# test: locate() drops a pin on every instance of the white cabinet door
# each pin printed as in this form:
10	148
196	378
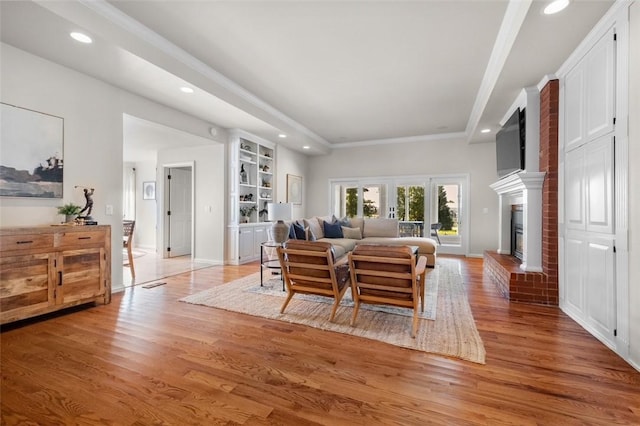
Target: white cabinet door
599	87
574	108
574	266
599	279
599	185
574	189
259	237
245	244
589	101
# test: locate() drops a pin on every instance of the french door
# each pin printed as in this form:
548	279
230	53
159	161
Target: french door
427	206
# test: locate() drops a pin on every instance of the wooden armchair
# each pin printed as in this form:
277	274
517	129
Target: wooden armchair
309	268
387	275
127	242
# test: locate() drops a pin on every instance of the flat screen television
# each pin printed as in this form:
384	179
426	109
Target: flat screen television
510	142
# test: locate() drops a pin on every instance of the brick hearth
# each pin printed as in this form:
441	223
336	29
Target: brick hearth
516	284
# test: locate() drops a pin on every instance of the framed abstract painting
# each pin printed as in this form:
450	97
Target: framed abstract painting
32	146
294	189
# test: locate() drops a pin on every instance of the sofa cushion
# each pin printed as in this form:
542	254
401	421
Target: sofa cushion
310	235
353	233
357	222
332	230
426	246
341	245
380	227
299	231
315	227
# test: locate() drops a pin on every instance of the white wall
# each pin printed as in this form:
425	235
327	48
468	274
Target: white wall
417	158
146	210
294	163
209	202
634	189
93	139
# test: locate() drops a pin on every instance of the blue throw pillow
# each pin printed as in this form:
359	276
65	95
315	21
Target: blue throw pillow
332	230
292	232
299	231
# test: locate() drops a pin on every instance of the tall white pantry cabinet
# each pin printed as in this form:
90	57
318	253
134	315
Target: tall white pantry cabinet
252	179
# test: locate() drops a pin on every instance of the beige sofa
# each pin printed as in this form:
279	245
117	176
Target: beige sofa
368	231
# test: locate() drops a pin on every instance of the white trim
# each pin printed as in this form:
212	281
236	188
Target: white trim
545	80
239	133
407	139
209	261
511	23
607	21
526	189
475	255
144	33
162	225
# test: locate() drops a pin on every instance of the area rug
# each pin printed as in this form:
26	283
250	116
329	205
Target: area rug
451	332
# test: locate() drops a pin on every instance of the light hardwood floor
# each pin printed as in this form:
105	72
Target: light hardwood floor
148	359
150	266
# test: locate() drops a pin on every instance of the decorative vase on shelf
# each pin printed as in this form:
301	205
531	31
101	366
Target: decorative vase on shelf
70	218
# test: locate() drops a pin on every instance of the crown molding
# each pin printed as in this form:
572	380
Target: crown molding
144	33
408	139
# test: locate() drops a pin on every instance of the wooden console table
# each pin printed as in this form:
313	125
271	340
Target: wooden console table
48	268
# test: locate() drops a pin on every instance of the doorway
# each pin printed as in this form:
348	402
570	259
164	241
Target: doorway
178	210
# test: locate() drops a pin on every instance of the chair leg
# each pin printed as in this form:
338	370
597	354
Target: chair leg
338	299
414	326
336	303
130	255
356	308
286	302
423	285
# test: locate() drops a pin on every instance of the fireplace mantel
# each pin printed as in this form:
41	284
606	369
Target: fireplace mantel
522	188
516	183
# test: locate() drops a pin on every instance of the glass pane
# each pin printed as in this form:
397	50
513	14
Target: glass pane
410	210
374	199
401	203
350	202
448	209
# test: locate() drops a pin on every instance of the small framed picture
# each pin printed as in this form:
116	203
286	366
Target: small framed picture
294	189
149	190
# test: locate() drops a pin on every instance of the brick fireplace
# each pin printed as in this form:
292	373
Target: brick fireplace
534	278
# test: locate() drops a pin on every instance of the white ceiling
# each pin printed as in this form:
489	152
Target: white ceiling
326	73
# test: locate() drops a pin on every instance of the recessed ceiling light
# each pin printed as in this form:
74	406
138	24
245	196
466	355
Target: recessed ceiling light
82	38
485	130
186	89
306	147
282	135
555	6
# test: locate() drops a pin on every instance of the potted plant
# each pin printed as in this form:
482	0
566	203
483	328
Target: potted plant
245	212
70	211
